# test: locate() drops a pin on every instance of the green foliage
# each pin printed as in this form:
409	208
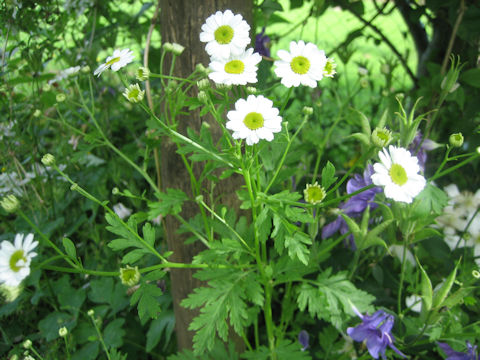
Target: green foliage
146	298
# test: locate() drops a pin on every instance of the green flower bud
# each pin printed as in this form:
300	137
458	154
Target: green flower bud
142	73
314	193
133	93
167	47
202	97
202	69
63	331
456	140
129	276
37	113
10	203
47	87
177	49
60	98
91	312
251	90
27	344
48	160
203	84
381	137
307	110
476	274
115	191
85	69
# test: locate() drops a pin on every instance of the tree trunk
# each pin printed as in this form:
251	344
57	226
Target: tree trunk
180	22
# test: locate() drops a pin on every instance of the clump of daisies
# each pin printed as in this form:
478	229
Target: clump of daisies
231	63
15	259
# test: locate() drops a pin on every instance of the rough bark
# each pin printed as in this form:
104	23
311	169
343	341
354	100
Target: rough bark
180	22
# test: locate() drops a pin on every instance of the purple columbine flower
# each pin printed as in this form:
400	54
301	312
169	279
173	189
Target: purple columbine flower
355	206
455	355
375	330
419	149
262	44
303	339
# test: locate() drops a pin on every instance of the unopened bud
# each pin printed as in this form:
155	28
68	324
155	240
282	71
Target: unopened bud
307	110
202	97
251	90
47	87
10	203
130	276
37	113
199	198
203	84
60	98
115	191
456	140
381	137
27	344
85	69
476	274
167	47
90	312
48	160
63	331
142	73
177	49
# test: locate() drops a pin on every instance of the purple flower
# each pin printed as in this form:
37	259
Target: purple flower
455	355
356	205
262	44
419	149
375	330
303	338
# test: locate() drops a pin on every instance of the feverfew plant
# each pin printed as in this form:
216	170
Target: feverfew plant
336	212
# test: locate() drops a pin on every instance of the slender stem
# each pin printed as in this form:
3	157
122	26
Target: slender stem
402	273
455	167
100	338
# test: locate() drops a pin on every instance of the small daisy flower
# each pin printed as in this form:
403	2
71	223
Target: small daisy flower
330	66
253	119
381	137
398	171
133	93
15	259
236	70
314	193
118	60
225	34
304	64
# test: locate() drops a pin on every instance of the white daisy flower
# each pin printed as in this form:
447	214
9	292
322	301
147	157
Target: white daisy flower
304	64
15	259
122	211
236	70
225	34
253	119
119	59
398	173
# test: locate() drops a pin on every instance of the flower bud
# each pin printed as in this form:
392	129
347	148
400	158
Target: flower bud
142	73
202	69
177	49
307	110
90	312
27	344
381	137
364	82
115	191
251	90
37	113
47	87
202	97
223	87
133	93
130	276
48	160
63	331
456	140
314	193
85	69
60	98
10	203
203	84
199	198
476	274
167	47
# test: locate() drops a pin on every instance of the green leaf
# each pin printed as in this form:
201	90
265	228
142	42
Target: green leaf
471	77
441	294
147	303
430	199
328	175
296	246
113	333
70	248
264	224
427	290
50	324
364	139
168	203
163	325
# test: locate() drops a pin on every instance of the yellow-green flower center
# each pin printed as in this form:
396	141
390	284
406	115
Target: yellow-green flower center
314	194
253	121
398	174
382	135
113	61
300	65
133	93
234	67
224	34
15	258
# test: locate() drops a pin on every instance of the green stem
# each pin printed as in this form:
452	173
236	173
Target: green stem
100	338
455	167
402	274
